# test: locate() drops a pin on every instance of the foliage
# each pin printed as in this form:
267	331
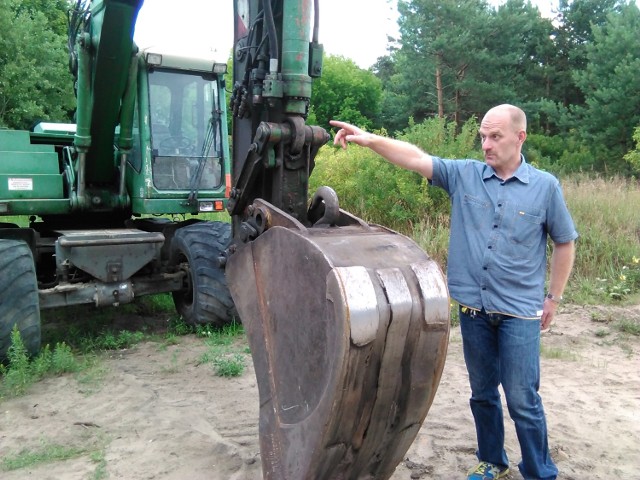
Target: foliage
55	12
605	213
633	156
631	327
116	341
229	365
21	372
378	191
611	84
222	354
45	454
345	92
34	80
459	58
627	283
572	33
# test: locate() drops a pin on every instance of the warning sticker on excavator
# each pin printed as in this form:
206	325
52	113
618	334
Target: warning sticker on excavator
20	183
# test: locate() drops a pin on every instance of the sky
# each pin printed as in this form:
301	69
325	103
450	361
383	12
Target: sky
355	29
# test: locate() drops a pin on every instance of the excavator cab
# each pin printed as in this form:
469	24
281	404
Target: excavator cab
180	140
185	130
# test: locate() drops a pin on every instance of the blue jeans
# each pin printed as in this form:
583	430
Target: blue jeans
500	349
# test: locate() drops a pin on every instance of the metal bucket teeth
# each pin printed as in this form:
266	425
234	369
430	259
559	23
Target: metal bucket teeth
348	330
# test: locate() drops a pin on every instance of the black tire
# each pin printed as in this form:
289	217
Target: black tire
19	302
207	299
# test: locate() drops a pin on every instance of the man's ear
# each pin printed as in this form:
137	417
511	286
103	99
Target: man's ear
522	136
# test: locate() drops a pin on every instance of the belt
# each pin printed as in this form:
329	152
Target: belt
469	311
472	312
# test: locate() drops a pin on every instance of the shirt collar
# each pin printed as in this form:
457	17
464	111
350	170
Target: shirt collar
521	173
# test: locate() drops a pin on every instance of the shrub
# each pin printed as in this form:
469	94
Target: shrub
379	192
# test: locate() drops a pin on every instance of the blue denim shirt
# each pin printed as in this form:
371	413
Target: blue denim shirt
497	249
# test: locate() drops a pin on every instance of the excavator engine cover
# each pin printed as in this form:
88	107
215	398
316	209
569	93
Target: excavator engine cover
348	328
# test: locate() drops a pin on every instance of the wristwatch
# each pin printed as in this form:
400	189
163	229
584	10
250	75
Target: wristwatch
554	298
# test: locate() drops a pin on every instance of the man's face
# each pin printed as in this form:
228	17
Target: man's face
501	142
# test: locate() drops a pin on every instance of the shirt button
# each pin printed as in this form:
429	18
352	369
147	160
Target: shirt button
495	226
484	268
484	288
489	247
500	205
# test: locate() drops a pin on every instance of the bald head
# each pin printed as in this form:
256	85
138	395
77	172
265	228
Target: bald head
503	130
516	116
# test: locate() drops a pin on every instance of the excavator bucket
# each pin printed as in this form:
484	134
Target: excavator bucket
348	328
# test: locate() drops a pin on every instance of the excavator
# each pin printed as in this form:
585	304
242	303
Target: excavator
347	321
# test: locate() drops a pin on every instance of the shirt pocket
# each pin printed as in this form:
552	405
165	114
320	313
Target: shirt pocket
476	212
525	230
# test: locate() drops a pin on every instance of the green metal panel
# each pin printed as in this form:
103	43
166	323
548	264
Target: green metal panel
21	186
169	205
20	140
25	163
35	207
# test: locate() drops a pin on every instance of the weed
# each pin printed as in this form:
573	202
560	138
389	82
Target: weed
110	341
226	362
98	457
628	326
173	366
177	326
557	353
454	313
22	372
45	454
91	376
598	317
229	366
602	332
17	377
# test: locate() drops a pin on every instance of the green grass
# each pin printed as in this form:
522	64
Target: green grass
47	453
557	353
22	372
605	211
224	354
628	326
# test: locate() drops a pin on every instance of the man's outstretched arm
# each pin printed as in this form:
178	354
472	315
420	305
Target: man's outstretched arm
402	154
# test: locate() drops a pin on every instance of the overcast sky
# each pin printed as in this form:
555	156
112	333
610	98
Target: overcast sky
356	29
208	25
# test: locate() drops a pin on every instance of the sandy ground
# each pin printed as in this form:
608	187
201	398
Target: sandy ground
156	413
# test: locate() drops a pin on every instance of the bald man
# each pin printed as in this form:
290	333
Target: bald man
502	211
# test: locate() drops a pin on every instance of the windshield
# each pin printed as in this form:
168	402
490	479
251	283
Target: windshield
185	130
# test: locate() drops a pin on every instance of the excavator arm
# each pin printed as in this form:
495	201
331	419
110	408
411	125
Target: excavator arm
103	62
347	322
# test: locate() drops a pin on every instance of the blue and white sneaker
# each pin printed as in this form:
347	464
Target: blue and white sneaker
487	471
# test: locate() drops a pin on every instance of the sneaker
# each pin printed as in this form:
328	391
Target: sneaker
487	471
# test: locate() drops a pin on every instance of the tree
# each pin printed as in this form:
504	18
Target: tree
462	57
441	42
610	83
55	11
35	83
345	92
572	35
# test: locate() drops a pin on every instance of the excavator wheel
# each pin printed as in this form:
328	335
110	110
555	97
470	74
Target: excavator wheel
19	303
348	329
206	300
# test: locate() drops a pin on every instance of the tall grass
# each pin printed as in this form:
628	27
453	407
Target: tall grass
607	216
